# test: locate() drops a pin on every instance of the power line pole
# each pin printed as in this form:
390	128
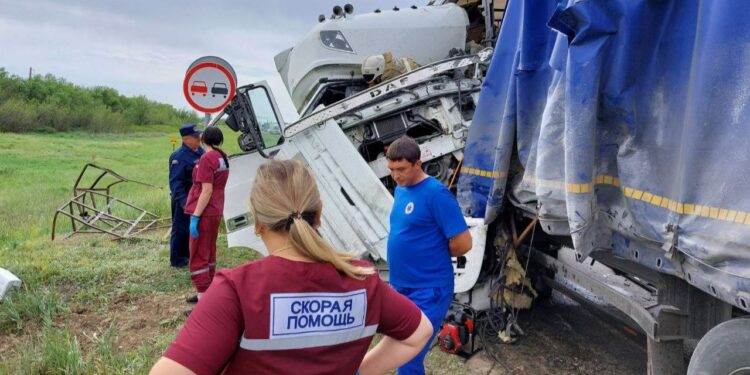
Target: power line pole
29	72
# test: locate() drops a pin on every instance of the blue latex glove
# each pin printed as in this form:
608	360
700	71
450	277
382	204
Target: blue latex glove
194	225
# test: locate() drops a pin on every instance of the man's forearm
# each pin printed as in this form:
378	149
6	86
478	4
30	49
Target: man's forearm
460	244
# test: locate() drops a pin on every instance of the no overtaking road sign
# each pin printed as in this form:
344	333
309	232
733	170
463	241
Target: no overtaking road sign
209	84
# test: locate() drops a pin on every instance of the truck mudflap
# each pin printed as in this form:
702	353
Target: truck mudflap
624	123
466	271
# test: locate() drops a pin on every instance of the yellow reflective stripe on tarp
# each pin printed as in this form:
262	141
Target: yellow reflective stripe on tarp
682	208
480	172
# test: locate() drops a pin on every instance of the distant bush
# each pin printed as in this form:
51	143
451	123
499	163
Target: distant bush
50	104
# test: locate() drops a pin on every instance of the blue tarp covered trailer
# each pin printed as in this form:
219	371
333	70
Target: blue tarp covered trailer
624	124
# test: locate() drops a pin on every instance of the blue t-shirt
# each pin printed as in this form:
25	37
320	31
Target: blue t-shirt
424	218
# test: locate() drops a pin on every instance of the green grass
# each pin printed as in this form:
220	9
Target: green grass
88	304
39	171
84	277
29	307
58	351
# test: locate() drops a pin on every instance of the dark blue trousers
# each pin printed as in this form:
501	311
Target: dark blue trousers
179	248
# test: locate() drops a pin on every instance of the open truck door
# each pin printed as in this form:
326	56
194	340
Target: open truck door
357	205
260	137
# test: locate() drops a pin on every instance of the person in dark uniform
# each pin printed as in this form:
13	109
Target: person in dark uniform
181	164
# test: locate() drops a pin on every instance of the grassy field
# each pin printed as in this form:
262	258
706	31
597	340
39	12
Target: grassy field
90	305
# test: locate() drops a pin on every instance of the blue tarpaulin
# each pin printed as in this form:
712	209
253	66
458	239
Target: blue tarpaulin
626	125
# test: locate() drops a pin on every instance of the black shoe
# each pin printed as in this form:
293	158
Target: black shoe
180	265
192	299
187	313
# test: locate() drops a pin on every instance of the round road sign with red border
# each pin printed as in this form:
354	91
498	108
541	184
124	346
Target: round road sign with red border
210	84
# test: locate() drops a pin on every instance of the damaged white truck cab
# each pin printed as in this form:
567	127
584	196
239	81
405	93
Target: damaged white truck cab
356	198
346	125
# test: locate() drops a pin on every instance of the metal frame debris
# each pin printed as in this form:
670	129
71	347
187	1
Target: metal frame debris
91	209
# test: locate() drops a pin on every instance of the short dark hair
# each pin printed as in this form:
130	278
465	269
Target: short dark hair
213	136
404	148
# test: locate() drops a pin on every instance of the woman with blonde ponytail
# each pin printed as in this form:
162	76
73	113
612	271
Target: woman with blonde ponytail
307	308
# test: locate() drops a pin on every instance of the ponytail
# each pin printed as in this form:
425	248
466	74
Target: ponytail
285	198
223	155
304	237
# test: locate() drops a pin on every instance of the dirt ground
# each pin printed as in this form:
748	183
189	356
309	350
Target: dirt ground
561	338
132	321
564	338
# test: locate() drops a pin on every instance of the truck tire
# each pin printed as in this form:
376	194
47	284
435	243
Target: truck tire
724	350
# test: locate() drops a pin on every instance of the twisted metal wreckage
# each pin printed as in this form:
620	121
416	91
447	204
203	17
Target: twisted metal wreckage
94	210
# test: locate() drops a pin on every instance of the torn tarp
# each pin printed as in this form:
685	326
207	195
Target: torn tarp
627	121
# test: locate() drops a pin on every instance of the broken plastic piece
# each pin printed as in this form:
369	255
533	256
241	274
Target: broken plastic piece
7	281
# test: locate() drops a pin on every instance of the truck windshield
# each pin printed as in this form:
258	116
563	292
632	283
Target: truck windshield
332	92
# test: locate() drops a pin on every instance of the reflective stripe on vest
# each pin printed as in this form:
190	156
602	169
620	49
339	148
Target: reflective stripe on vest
200	271
287	343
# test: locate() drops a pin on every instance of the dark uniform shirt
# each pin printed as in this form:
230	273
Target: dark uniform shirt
181	164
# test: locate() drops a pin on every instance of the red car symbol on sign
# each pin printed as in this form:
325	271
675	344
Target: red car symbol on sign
199	87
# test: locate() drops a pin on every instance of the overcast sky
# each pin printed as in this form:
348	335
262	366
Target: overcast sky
144	47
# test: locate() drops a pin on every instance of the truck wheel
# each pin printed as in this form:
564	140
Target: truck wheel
724	350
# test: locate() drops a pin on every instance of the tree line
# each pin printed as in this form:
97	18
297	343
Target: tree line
50	104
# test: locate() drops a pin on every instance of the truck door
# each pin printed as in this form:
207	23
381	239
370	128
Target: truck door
237	218
356	204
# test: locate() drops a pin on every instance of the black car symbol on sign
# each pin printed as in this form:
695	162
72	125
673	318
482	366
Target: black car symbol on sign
219	89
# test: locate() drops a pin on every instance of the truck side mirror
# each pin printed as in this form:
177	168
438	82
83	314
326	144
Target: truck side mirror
266	118
254	113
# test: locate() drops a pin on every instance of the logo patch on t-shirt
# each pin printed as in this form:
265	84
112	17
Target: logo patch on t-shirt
312	314
409	208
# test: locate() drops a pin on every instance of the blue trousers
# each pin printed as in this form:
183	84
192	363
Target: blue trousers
179	248
434	303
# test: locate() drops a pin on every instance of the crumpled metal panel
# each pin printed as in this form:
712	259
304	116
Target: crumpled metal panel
356	206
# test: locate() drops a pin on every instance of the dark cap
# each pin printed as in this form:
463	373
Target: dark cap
190	129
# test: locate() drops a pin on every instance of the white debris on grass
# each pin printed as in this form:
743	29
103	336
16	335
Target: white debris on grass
7	280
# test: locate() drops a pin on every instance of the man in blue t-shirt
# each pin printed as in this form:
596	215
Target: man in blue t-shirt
427	229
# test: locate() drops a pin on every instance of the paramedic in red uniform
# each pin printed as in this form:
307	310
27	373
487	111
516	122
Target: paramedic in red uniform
205	204
305	309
